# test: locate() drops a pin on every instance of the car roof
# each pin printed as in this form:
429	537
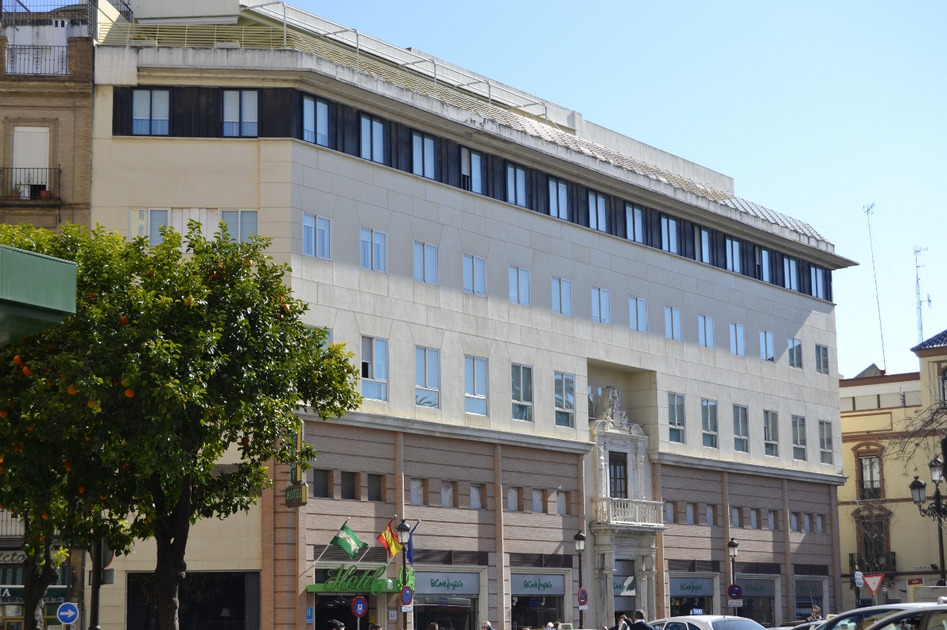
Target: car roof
907	610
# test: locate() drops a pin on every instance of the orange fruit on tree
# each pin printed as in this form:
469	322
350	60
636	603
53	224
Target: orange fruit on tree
81	489
45	516
18	360
27	371
4	413
129	393
71	389
123	320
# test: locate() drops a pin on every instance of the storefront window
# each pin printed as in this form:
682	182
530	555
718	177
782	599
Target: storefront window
537	599
624	588
759	600
692	596
207	600
449	599
809	593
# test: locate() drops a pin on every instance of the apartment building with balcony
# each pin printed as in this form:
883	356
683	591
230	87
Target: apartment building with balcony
559	330
46	104
881	529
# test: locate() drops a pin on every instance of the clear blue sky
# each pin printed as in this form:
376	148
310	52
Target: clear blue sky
816	109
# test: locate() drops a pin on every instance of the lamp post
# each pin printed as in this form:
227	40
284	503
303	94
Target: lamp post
732	550
936	510
404	536
579	540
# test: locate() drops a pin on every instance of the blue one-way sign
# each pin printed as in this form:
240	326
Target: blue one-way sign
67	613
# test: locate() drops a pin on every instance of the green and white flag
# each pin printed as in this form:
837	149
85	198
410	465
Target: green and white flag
349	542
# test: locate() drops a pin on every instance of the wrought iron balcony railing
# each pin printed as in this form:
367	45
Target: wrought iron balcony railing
29	184
38	60
883	562
629	513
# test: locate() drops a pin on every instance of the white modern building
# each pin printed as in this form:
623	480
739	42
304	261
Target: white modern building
559	329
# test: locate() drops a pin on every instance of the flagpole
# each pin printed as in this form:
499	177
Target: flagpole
326	547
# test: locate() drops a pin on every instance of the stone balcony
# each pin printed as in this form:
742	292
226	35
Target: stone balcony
631	514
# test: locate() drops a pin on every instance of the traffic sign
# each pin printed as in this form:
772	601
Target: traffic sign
873	581
407	596
67	613
359	606
583	597
734	591
735	603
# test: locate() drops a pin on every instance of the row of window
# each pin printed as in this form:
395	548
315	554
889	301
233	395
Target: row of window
741	517
518	499
374	363
284	112
741	429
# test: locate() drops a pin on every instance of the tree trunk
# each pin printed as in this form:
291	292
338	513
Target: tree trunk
171	538
37	576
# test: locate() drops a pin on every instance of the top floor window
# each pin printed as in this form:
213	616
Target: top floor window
669	234
634	223
733	255
702	248
598	217
558	198
817	279
151	112
372	139
471	170
791	273
315	121
422	154
240	113
516	185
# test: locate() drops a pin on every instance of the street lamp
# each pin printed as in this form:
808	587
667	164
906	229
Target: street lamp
732	550
579	540
404	537
936	511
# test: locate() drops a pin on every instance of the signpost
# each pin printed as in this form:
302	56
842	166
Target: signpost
583	598
407	596
735	596
873	581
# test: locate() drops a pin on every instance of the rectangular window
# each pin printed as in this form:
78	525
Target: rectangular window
418	491
670	510
562	502
513	499
374	368
422	155
558	198
798	437
690	513
770	433
817	282
471	173
825	442
772	520
151	112
375	487
516	185
634	223
148	223
372	139
447	494
821	359
521	382
763	265
316	236
564	386
676	417
672	323
475	275
736	517
476	496
240	113
241	224
669	241
737	340
794	347
794	521
705	331
741	429
538	503
562	296
425	262
321	487
754	518
373	251
349	485
427	377
819	524
791	273
710	514
708	417
601	306
767	350
733	255
475	385
598	217
638	314
869	473
703	252
519	285
315	121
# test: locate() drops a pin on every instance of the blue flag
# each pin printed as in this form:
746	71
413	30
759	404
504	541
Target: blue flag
409	550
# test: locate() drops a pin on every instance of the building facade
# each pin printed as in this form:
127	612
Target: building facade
603	338
886	448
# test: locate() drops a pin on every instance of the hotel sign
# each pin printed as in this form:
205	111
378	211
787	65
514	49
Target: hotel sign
349	579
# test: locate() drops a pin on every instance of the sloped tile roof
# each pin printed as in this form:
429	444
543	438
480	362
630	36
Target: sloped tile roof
937	341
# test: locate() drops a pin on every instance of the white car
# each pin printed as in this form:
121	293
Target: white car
861	618
926	617
706	622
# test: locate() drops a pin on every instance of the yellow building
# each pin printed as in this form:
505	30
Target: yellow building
880	528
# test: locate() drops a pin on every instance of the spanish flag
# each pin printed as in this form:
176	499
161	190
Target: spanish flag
389	540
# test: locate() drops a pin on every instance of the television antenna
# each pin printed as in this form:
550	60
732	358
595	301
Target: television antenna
868	213
917	293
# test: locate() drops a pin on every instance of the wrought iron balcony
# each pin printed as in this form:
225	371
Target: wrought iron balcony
628	513
882	562
33	185
38	60
10	527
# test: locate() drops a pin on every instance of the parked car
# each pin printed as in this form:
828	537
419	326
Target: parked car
706	622
861	618
926	617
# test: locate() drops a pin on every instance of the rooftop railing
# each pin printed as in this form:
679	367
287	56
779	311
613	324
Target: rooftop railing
34	60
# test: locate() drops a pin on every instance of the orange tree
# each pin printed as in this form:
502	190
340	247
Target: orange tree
179	357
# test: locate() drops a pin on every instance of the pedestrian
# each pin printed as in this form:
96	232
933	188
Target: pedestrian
486	626
550	626
374	626
335	624
624	623
640	623
816	614
432	626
